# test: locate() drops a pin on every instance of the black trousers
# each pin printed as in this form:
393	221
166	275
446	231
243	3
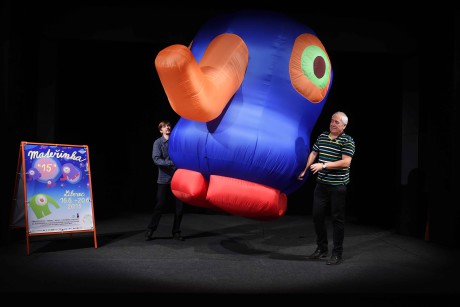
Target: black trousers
335	196
164	194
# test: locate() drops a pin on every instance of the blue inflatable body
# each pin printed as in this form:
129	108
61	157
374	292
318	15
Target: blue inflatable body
263	133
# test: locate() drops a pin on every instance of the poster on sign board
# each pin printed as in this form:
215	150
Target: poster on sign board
57	188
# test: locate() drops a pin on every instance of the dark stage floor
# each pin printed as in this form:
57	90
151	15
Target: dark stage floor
227	254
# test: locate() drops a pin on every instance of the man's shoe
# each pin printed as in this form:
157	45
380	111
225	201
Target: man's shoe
334	260
178	237
149	235
318	254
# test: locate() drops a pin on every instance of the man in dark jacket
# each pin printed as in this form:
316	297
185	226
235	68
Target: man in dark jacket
166	169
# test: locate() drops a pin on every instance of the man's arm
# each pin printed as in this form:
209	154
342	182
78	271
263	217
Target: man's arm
339	164
311	158
157	156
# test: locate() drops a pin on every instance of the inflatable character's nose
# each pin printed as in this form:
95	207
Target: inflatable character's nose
200	91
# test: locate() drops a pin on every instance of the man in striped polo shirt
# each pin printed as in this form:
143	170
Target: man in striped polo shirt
330	160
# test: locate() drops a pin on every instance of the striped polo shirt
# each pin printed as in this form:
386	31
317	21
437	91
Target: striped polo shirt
332	150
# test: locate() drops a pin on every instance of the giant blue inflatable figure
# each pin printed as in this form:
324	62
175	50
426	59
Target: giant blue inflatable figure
249	90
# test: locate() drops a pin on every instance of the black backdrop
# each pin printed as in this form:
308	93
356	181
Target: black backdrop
114	89
94	63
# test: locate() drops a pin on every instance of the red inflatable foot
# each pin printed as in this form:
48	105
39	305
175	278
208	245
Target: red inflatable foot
245	198
230	195
190	187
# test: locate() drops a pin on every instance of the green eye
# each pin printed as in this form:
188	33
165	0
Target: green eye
310	69
315	65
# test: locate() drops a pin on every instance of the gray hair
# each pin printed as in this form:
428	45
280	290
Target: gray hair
343	116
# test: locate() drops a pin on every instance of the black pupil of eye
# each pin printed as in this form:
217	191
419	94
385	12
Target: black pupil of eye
319	67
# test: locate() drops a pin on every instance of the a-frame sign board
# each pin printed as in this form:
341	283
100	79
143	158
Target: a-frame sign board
53	191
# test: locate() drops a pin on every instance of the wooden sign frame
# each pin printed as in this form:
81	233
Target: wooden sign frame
55	180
